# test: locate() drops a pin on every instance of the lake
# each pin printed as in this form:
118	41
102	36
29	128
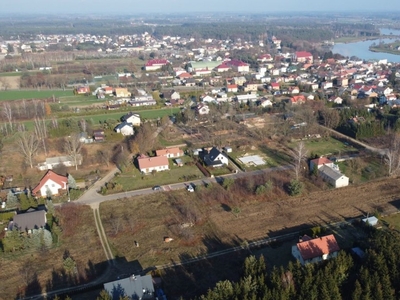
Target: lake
361	49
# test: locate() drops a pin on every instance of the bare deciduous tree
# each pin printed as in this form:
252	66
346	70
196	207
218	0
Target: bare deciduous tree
41	132
299	154
392	155
73	147
8	113
29	145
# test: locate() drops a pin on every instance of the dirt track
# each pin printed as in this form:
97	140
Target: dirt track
258	220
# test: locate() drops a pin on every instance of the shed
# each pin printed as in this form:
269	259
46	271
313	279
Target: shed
228	149
372	221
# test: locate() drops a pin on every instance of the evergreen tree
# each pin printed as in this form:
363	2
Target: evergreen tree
12	199
71	182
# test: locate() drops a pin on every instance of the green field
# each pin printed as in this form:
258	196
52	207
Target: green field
325	146
33	94
134	180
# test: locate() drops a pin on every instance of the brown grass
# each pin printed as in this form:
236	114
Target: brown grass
79	238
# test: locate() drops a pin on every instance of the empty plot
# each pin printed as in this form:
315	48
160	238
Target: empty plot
252	160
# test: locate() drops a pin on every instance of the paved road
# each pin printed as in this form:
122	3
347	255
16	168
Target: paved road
92	197
354	141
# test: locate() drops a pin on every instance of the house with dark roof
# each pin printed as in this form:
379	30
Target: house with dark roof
124	128
132	118
133	287
329	172
309	250
29	221
50	185
214	158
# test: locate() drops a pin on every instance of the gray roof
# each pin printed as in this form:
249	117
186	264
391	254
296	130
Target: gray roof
135	287
331	173
30	220
61	159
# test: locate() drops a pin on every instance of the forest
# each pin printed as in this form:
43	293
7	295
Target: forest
376	276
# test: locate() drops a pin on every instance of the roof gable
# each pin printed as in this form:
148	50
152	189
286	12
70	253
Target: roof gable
53	176
317	247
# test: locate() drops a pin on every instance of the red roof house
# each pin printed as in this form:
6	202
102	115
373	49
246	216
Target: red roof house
298	99
315	250
148	164
303	56
50	184
319	162
155	64
170	152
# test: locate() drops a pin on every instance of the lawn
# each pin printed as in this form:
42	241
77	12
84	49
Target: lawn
134	180
32	94
363	169
326	146
392	221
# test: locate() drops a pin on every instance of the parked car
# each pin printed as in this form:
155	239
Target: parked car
157	188
190	188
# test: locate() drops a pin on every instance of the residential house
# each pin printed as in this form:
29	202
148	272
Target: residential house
172	95
326	85
202	109
133	287
309	250
132	118
336	99
52	162
275	86
121	92
264	102
28	221
250	87
208	99
245	98
303	57
214	158
232	88
222	68
80	90
155	64
239	80
98	135
297	100
237	65
265	58
170	152
125	129
176	102
50	185
156	163
329	172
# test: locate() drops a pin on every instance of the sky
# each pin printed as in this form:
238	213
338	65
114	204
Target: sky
128	7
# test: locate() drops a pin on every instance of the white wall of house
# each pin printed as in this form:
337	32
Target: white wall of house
134	120
157	168
296	254
52	186
222	158
126	130
341	182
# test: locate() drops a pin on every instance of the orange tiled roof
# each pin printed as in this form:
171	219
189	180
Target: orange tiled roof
318	247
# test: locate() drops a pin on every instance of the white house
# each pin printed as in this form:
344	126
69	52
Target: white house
66	161
202	109
50	184
310	250
156	163
124	128
131	118
214	158
329	172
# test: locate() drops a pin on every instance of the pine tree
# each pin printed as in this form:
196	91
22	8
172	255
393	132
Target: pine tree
357	292
12	200
71	182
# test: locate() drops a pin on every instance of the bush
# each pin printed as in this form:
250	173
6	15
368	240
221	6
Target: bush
295	187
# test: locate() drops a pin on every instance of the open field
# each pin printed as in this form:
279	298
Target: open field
392	221
34	271
33	94
156	215
135	180
325	146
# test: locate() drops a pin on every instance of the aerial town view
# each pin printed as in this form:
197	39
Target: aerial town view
205	151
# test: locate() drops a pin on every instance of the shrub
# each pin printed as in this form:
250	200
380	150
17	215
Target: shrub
295	187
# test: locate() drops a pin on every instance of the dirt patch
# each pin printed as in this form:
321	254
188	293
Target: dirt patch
10	82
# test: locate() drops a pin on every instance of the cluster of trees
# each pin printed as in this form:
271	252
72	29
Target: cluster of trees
345	277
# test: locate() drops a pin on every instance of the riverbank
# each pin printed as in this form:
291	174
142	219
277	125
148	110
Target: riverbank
382	50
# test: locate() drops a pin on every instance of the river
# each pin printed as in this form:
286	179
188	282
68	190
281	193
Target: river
361	49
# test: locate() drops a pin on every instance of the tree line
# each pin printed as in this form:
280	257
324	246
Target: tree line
376	277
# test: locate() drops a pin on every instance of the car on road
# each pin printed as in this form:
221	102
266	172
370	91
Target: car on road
190	188
157	188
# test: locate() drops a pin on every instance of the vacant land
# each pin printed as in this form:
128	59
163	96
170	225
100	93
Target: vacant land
35	271
157	216
33	94
326	146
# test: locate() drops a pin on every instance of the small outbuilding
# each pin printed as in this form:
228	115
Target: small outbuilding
372	221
